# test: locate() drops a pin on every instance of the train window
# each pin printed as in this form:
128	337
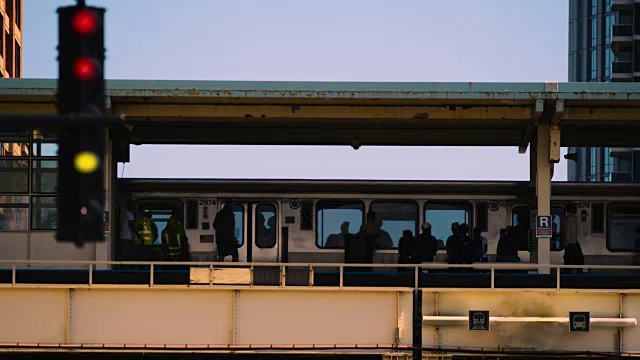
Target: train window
238	216
306	215
160	217
161	212
333	218
623	227
442	214
13	213
396	216
192	215
597	218
520	218
482	216
43	213
265	226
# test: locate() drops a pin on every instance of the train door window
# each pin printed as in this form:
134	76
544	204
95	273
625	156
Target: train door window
333	218
161	212
192	215
306	215
623	227
396	216
521	220
238	215
265	226
482	216
442	214
597	218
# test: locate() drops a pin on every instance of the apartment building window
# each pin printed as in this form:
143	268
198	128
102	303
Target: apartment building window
18	14
594	64
607	5
28	177
608	164
594	7
608	23
18	62
593	165
608	59
594	31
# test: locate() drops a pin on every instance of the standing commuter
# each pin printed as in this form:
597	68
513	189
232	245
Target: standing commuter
145	235
224	225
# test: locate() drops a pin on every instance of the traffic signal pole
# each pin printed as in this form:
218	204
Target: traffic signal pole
81	123
81	95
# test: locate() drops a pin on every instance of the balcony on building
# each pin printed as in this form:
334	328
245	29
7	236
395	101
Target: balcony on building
622	37
621	177
621	71
621	152
621	5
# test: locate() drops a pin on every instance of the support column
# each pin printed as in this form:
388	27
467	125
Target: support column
103	249
543	191
417	324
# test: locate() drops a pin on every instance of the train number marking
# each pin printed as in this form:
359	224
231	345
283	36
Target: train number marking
582	205
206	202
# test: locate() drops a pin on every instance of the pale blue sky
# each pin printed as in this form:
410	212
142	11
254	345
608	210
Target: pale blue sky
328	40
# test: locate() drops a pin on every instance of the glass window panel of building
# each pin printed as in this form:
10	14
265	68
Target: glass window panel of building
28	172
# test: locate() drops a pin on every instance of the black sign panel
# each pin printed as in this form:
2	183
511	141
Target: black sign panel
478	320
579	321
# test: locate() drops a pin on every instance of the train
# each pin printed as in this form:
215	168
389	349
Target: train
296	220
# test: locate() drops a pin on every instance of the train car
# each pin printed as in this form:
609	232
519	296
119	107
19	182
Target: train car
301	220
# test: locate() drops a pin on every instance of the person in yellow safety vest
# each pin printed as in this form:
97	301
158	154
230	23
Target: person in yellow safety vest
146	233
174	240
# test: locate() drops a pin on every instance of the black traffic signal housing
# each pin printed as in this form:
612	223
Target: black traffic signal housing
81	102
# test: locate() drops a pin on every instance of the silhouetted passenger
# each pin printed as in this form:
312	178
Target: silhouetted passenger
572	250
426	245
467	249
367	236
455	247
224	225
336	241
520	232
406	250
479	244
507	247
383	241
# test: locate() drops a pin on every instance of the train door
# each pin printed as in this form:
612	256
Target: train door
265	242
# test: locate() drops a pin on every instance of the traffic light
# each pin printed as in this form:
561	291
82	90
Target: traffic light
81	60
81	137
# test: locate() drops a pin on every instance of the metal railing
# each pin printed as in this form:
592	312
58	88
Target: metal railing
310	268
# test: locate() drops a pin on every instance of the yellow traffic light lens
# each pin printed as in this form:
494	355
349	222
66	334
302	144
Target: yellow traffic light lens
86	162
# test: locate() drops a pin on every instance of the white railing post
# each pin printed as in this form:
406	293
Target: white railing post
151	275
415	277
493	278
310	275
90	275
251	280
557	278
341	276
13	274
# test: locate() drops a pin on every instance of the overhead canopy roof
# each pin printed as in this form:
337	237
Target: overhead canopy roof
341	113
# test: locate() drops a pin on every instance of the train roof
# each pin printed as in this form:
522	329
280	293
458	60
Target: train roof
345	186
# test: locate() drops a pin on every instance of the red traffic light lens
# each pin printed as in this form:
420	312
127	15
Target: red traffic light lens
84	22
84	68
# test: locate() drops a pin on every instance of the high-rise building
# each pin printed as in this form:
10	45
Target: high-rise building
11	39
604	45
